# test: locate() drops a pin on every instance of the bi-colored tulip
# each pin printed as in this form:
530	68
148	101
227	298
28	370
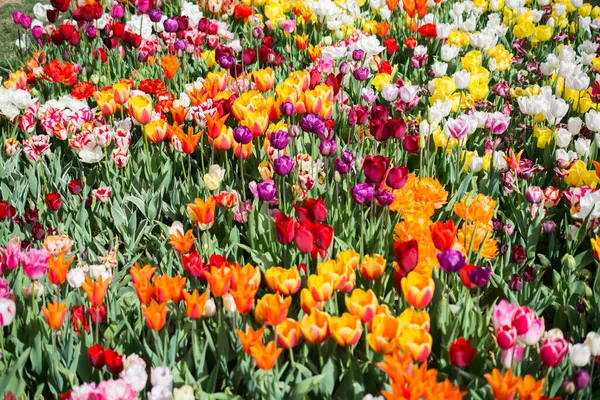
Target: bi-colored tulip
121	91
321	287
219	280
417	289
272	309
202	213
315	327
372	267
308	303
264	79
156	131
140	108
194	303
362	304
417	343
384	330
283	281
345	330
288	333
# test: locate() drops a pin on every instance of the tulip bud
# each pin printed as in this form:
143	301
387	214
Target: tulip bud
581	379
568	262
209	308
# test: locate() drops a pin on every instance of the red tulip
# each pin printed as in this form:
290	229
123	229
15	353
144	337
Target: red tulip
304	238
323	235
397	177
464	276
461	353
97	314
506	336
376	130
395	127
375	168
407	255
96	356
61	5
284	226
114	361
411	143
428	31
316	210
443	235
194	266
53	201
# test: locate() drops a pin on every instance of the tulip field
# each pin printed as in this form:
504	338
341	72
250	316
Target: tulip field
287	199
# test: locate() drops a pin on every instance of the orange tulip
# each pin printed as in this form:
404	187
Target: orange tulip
144	291
247	276
216	82
529	388
320	286
513	161
596	167
272	309
265	357
264	79
240	150
345	330
121	92
341	274
256	121
214	124
58	267
55	314
176	286
396	365
250	338
244	299
392	4
178	113
185	143
182	243
503	387
412	7
372	267
283	281
348	258
416	342
382	28
411	318
219	280
362	304
202	213
194	303
417	289
301	41
384	330
288	333
169	65
308	303
162	289
315	327
95	291
141	274
155	315
156	131
140	108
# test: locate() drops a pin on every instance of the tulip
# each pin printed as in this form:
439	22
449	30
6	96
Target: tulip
156	131
581	378
321	287
95	291
345	330
139	274
554	348
121	92
397	177
35	263
195	303
579	354
58	267
96	356
265	356
285	228
250	338
461	353
264	79
362	193
315	327
272	309
323	235
416	343
202	213
303	238
140	108
8	311
451	260
182	243
372	267
313	209
10	256
288	333
384	331
219	280
522	319
242	134
114	361
443	235
407	255
53	201
283	165
506	337
417	289
375	168
267	190
244	299
155	315
283	281
363	304
55	314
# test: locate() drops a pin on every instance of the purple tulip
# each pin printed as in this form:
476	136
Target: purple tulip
242	134
118	11
293	131
258	33
287	108
358	54
361	74
91	32
548	227
581	379
311	123
37	32
283	165
480	275
267	190
181	44
341	167
327	148
384	197
170	25
226	61
348	157
155	15
26	21
279	139
362	193
515	284
529	273
534	194
344	67
17	17
451	260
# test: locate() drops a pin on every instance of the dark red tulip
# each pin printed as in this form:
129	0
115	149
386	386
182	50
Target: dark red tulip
407	255
375	168
114	361
397	177
411	143
461	353
75	186
53	201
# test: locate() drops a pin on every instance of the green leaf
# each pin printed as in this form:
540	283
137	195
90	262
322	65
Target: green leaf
303	388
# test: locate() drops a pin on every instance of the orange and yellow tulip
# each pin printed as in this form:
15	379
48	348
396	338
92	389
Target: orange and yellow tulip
121	91
321	287
362	304
219	280
55	314
348	258
256	121
264	79
288	333
315	327
155	315
170	65
417	289
244	299
194	303
283	281
341	274
345	330
372	267
106	102
156	131
384	331
416	342
202	213
247	276
265	357
140	108
58	267
272	309
411	318
308	303
242	151
250	338
182	243
95	291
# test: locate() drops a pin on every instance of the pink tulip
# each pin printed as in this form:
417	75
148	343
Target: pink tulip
535	332
554	348
503	313
522	319
498	123
506	336
508	357
35	263
9	257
